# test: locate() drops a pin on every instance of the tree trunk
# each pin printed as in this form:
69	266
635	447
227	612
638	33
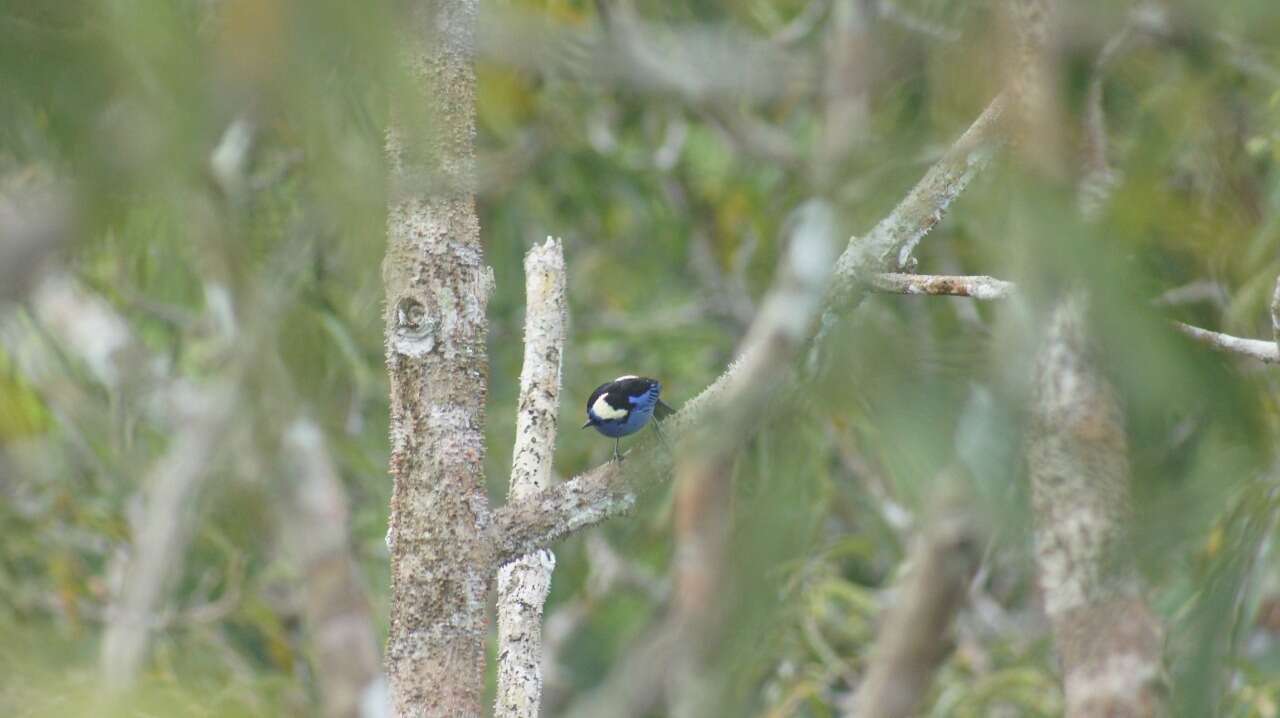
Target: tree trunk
437	290
1108	638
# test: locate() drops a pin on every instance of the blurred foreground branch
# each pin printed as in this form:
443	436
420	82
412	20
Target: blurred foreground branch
523	584
915	638
317	526
669	662
1108	638
161	539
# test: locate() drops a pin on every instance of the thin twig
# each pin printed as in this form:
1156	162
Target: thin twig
1263	351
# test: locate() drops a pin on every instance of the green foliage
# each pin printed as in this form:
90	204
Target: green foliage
668	219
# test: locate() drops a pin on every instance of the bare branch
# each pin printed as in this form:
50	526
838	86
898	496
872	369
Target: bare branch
1036	119
977	286
538	521
1263	351
915	637
1199	291
523	584
889	245
1108	639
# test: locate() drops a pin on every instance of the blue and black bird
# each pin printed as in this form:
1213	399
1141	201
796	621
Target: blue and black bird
623	406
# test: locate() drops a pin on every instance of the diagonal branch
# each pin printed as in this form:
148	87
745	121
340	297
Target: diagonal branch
916	636
890	243
523	584
527	525
1263	351
704	464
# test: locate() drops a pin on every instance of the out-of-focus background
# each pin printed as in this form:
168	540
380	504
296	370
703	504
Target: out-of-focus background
192	218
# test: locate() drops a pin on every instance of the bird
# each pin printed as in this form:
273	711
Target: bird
623	406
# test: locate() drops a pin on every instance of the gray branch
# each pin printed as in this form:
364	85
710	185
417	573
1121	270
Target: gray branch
1263	351
523	584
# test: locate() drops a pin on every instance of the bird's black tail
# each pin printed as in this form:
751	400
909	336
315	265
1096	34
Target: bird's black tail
662	411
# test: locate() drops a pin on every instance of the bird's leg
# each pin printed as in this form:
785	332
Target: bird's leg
616	456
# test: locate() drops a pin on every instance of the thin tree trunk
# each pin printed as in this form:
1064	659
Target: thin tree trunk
437	290
523	584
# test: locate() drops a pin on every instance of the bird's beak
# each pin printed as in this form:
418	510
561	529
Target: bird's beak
587	425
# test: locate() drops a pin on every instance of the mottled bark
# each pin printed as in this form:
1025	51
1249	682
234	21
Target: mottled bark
1108	639
437	289
523	584
336	611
